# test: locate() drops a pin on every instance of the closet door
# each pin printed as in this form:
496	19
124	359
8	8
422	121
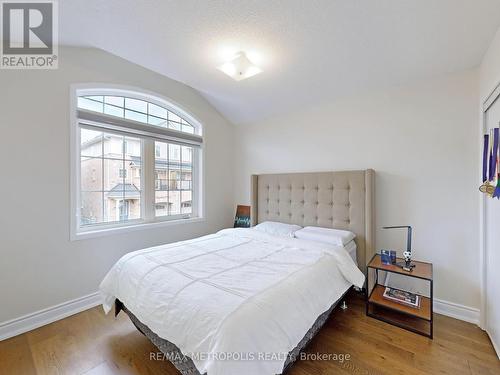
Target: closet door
492	246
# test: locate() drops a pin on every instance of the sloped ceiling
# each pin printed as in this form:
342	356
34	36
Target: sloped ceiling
310	50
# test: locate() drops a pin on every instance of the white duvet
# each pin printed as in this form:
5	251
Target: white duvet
236	302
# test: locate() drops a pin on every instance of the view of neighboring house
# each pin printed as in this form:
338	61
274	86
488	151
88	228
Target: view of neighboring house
111	178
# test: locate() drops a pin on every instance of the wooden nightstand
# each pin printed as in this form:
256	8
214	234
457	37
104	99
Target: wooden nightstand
416	320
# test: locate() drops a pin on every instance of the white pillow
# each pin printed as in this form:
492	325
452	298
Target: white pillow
325	235
277	229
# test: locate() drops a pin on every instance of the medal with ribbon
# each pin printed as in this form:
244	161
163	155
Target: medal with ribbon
496	193
487	174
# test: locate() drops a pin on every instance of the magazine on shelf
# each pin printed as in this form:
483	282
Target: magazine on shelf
403	297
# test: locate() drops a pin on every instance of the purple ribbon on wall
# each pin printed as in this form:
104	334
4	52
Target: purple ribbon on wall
493	155
485	156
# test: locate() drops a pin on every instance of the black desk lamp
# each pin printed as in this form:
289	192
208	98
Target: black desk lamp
407	265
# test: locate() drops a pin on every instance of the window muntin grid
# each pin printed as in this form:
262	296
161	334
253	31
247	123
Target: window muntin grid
136	110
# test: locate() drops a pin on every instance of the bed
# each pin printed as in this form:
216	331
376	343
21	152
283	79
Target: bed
242	301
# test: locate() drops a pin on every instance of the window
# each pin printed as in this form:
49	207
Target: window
138	161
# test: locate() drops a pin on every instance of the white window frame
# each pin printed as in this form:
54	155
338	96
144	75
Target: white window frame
148	219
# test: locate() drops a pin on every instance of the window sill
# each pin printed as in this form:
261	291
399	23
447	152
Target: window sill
83	235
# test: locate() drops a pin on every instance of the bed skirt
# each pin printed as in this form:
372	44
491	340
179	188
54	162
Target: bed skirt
186	366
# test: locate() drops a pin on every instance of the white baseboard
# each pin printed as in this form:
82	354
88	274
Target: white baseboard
49	315
457	311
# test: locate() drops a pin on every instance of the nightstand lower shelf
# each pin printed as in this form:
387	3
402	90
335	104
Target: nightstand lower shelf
410	323
407	317
377	298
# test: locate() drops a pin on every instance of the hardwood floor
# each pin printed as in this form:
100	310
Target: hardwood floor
91	343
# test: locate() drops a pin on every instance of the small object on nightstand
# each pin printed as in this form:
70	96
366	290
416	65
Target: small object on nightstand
388	256
343	306
407	266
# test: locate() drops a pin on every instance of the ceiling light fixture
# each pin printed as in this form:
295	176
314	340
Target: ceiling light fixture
239	67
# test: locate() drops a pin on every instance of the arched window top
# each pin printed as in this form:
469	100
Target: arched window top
138	107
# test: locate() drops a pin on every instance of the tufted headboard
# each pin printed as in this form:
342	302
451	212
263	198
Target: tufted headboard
341	200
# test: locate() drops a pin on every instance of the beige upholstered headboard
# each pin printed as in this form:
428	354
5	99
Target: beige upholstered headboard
341	200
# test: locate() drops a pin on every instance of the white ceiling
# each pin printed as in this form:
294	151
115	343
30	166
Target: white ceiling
310	50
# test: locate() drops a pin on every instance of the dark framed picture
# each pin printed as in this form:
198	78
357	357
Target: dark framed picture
242	218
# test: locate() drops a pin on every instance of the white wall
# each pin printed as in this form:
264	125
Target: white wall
421	140
489	70
489	78
39	266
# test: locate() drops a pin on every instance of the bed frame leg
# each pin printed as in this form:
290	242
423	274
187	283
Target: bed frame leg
118	307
